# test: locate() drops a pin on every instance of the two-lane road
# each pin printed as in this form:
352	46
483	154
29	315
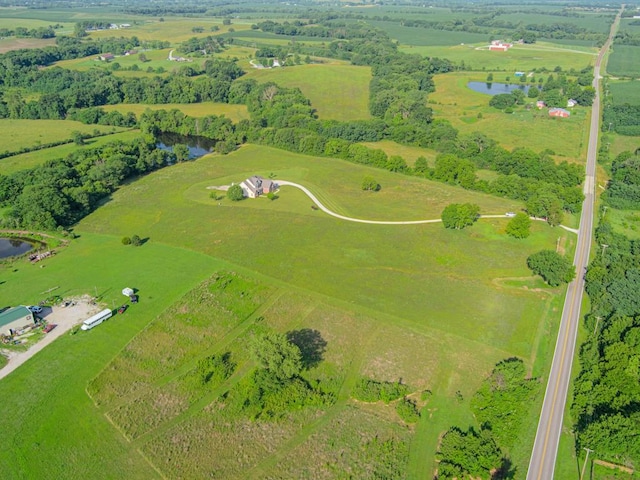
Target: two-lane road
545	449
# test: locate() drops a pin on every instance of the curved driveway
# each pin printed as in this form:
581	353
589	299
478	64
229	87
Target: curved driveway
382	222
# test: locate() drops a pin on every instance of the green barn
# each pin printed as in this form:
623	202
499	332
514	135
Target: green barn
15	318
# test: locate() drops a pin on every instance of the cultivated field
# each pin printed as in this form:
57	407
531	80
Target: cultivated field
625	92
460	105
624	61
337	91
12	43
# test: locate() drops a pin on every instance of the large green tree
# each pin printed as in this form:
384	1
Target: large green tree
274	352
460	215
519	226
235	193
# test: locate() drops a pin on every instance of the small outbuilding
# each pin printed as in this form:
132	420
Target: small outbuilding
559	112
14	319
127	292
107	57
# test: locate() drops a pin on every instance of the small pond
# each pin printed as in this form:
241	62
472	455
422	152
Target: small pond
10	247
198	146
494	88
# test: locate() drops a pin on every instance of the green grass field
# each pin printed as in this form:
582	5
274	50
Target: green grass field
12	43
172	29
410	154
31	159
519	57
337	91
624	61
433	306
461	106
625	92
233	112
622	143
29	133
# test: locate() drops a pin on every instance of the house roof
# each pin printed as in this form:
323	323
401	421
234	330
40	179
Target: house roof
13	314
557	110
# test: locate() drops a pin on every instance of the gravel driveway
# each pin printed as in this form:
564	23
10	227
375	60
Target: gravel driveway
66	318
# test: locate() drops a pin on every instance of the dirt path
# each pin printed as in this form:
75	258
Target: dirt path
65	318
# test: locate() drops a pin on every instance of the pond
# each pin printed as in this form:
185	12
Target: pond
10	247
494	88
198	146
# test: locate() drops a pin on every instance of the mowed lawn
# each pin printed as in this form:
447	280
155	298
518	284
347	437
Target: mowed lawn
30	133
234	112
337	91
23	161
533	128
521	57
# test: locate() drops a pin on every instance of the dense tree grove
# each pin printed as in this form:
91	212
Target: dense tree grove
552	267
469	453
60	192
623	119
623	191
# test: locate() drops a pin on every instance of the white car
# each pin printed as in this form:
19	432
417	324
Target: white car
510	214
35	309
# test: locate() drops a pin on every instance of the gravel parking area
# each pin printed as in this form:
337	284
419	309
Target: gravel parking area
65	317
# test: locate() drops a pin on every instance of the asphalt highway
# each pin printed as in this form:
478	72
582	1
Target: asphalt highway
545	449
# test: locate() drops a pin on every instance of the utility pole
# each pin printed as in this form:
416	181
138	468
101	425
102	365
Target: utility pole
596	328
585	462
604	247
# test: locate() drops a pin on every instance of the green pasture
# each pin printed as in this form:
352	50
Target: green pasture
519	57
12	43
624	61
625	92
435	307
454	101
23	161
626	222
410	154
48	392
353	265
29	133
173	29
623	143
155	59
233	112
67	15
28	23
337	91
625	26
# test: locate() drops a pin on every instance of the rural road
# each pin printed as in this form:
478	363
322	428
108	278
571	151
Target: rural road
381	222
545	448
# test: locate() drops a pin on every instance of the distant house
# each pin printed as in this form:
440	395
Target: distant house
571	103
130	52
106	57
14	319
540	104
255	186
518	74
559	112
500	46
125	25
